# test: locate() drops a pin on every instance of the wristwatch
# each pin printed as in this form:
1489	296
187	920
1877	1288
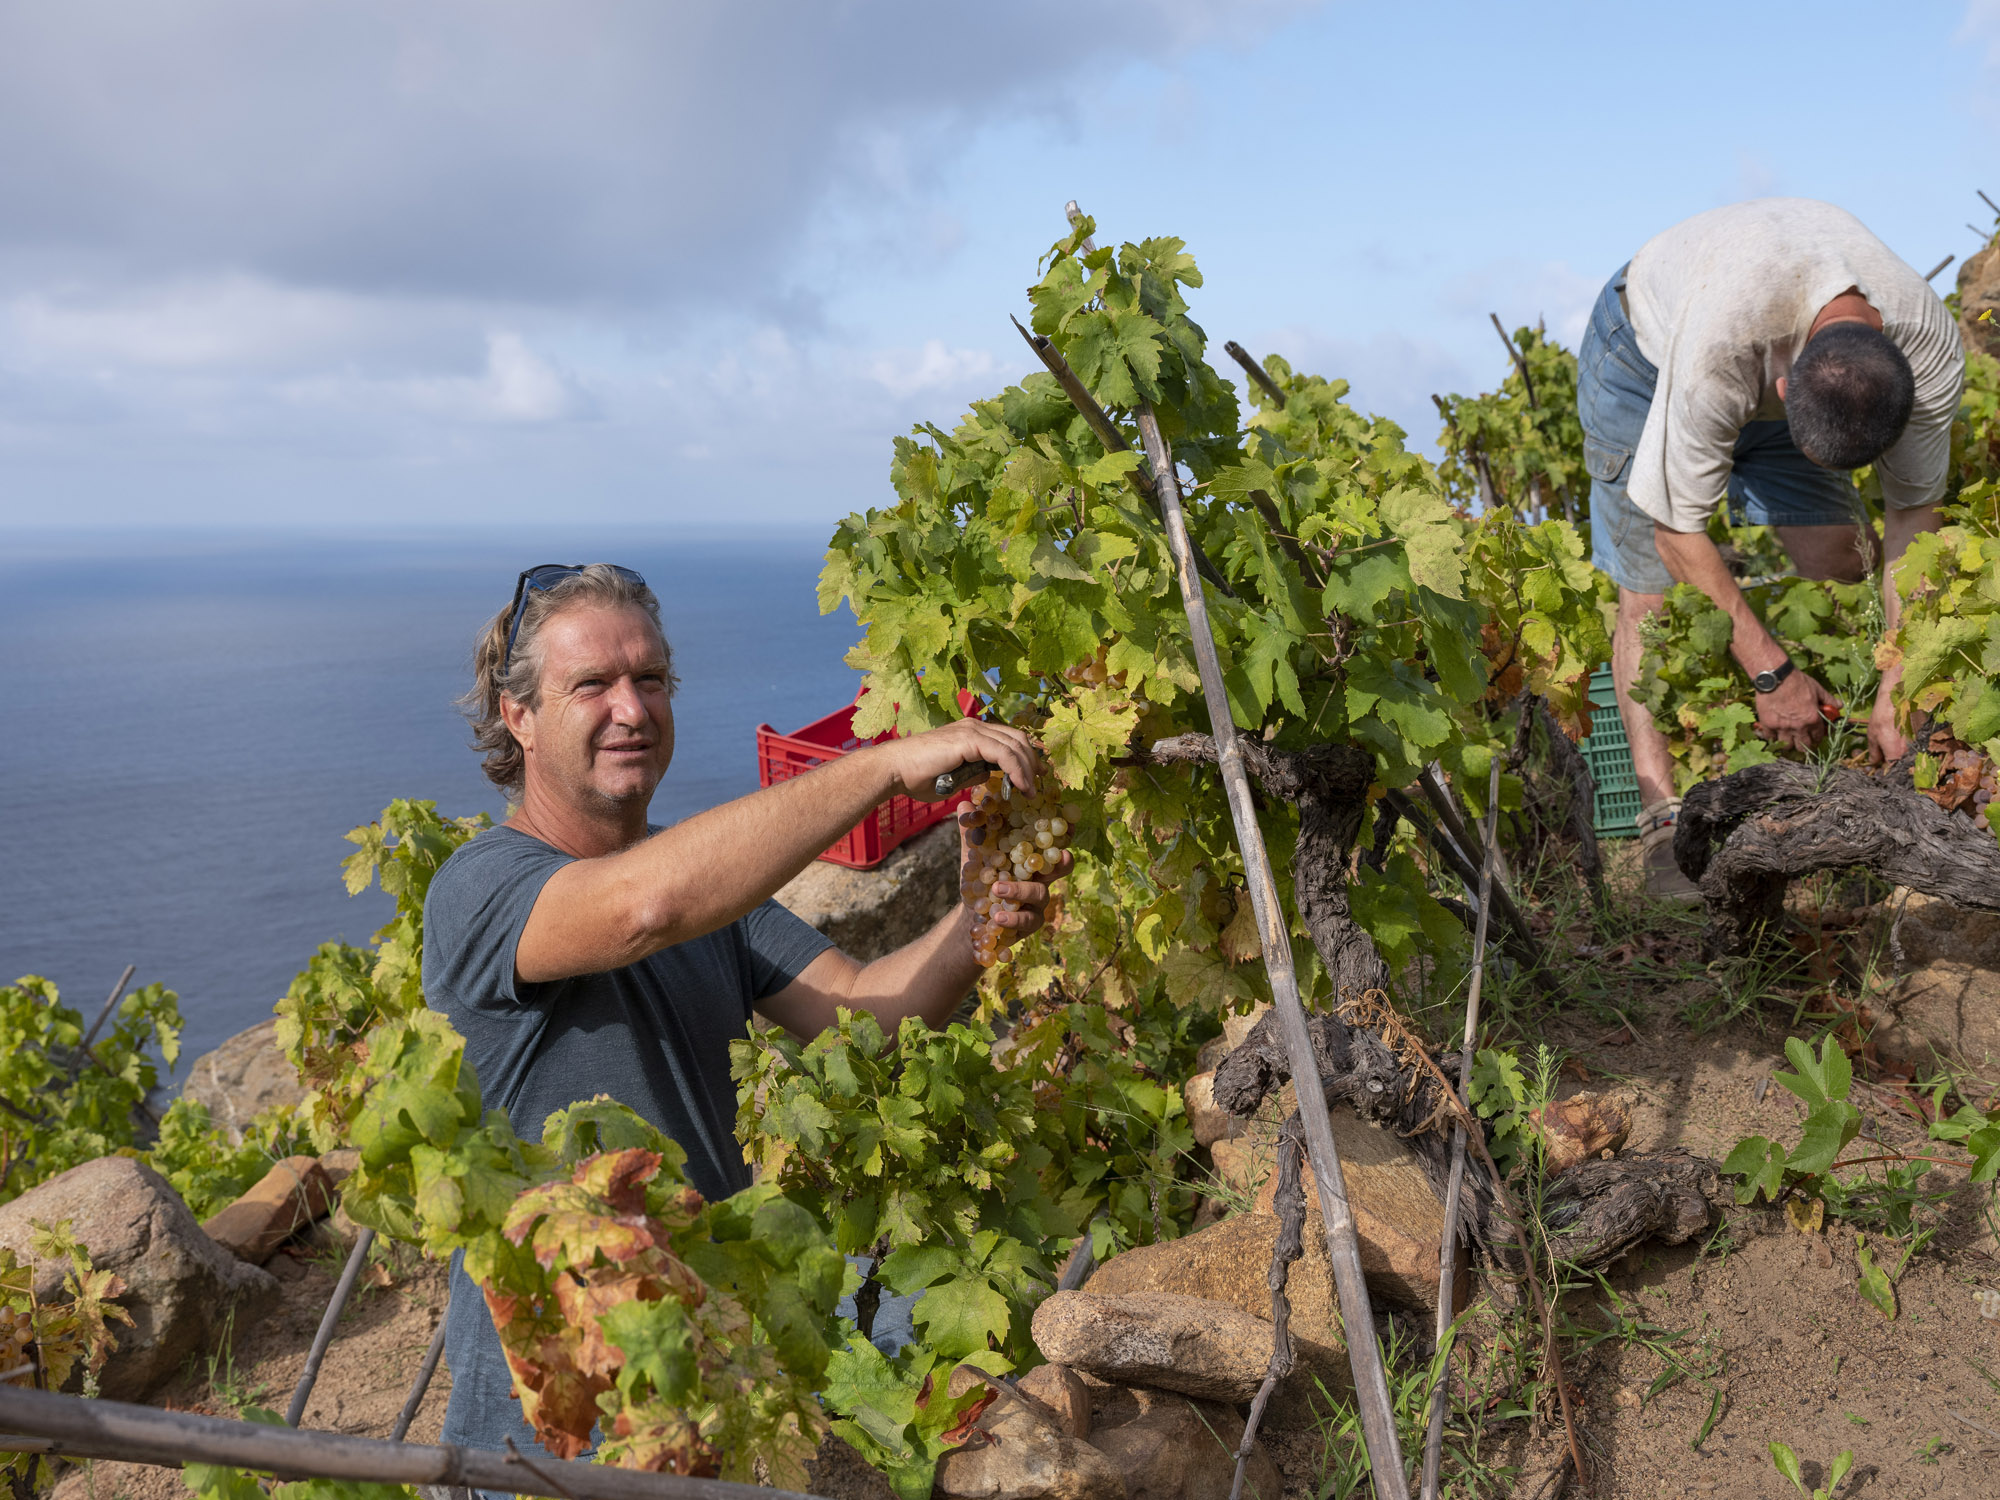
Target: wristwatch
1767	682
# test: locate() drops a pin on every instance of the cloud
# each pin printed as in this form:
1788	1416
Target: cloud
228	322
244	240
905	372
578	155
517	385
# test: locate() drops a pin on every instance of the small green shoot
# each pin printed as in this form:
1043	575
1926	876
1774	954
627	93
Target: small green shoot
1787	1463
1875	1283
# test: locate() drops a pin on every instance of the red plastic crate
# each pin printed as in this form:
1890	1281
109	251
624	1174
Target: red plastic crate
783	756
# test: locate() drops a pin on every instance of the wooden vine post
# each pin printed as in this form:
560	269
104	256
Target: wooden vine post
1455	1186
74	1427
1371	1384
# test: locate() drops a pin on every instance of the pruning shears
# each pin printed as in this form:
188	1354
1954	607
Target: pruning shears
955	781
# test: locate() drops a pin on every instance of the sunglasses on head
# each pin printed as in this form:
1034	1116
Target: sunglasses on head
543	577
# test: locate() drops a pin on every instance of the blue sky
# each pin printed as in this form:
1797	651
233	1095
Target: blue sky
483	262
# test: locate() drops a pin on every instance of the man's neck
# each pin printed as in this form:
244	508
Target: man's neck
1849	307
584	832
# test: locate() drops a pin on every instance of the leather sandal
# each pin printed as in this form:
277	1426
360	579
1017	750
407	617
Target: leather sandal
1664	880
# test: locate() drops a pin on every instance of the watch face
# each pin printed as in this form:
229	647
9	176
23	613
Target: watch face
1765	682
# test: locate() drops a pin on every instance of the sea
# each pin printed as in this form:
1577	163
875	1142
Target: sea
189	723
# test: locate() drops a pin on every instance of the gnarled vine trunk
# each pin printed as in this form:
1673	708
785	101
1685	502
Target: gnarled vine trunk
1328	784
1744	837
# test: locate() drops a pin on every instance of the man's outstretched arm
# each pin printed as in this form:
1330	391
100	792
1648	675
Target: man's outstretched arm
701	875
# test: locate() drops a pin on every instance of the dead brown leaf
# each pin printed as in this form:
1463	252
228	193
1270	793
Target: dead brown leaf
1581	1127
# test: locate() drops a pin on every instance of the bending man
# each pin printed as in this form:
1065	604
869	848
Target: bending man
1759	351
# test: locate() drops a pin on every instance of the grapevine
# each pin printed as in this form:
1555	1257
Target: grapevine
1520	448
1945	642
1364	608
43	1343
61	1106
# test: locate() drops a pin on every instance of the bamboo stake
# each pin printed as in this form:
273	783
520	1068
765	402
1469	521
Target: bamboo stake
1931	274
329	1320
1371	1385
1520	360
105	1014
1455	1187
420	1385
1435	791
71	1426
1255	371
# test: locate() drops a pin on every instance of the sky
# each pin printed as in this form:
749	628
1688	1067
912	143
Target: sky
479	263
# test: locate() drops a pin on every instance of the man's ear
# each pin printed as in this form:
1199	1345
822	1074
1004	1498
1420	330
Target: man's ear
519	719
1782	383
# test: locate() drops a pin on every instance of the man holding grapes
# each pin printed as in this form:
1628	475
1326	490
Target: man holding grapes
1759	352
582	951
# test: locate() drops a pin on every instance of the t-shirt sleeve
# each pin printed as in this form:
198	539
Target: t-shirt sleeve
781	945
474	913
1914	471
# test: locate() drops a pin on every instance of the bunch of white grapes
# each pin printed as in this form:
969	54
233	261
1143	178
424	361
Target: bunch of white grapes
17	1333
1014	836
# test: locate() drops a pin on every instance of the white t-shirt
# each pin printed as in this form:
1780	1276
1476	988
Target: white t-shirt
1723	301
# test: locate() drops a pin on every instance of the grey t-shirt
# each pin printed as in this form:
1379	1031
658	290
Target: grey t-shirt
653	1035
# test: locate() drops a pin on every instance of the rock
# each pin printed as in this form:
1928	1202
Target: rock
1979	292
242	1078
1168	1447
296	1192
180	1286
1207	1119
1210	1053
1582	1127
1930	929
1947	1009
1236	1029
1396	1212
1193	1345
1230	1263
1063	1392
1021	1454
868	913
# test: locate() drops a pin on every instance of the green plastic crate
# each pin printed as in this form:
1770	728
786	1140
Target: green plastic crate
1610	758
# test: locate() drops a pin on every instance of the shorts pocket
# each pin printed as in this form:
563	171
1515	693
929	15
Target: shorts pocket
1604	462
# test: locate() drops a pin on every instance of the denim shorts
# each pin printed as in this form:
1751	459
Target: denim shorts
1771	484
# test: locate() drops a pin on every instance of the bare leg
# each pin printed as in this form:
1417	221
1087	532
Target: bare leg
1842	554
1652	763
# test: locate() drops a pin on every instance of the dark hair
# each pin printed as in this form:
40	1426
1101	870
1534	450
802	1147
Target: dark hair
600	585
1849	396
